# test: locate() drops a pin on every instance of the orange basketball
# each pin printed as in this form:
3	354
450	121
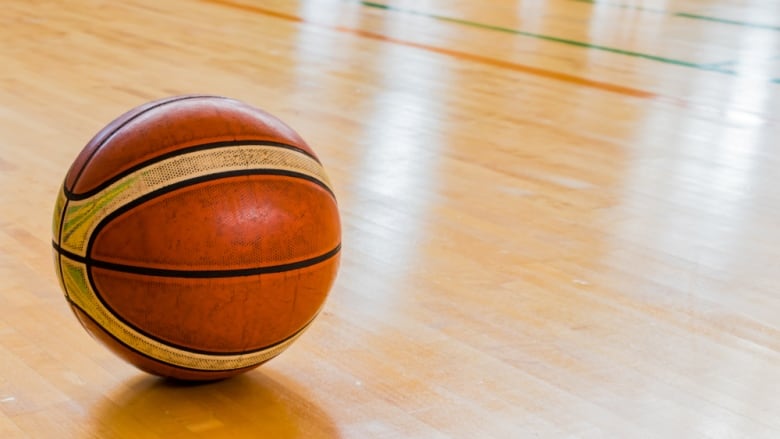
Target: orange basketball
197	237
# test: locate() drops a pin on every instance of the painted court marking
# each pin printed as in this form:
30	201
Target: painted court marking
572	79
583	44
719	67
685	15
627	91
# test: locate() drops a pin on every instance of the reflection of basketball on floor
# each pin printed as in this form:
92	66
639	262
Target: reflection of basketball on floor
196	236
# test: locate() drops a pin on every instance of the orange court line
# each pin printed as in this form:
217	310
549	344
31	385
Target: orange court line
572	79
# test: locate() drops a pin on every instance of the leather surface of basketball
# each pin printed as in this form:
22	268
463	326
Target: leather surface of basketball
196	237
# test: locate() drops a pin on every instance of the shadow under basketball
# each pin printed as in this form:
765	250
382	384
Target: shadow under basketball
254	405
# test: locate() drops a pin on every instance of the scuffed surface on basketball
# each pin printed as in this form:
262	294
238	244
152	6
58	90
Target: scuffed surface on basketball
196	237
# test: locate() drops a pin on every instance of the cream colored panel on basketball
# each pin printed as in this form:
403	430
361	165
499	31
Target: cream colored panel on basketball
80	292
82	216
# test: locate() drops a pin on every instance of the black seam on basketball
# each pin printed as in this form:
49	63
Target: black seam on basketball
123	124
205	274
202	147
184	348
197	274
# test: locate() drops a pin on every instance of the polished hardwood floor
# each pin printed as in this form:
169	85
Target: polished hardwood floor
560	216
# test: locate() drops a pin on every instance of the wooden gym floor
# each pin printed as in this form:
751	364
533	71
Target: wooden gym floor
560	216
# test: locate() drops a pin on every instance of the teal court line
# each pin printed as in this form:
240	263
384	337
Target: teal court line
725	21
724	64
705	67
685	15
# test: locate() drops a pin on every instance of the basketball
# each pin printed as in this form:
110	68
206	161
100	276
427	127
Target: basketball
196	237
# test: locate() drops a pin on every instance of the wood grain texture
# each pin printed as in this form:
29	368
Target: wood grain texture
525	255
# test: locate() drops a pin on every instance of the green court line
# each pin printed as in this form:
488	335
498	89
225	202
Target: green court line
684	15
725	21
582	44
726	64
